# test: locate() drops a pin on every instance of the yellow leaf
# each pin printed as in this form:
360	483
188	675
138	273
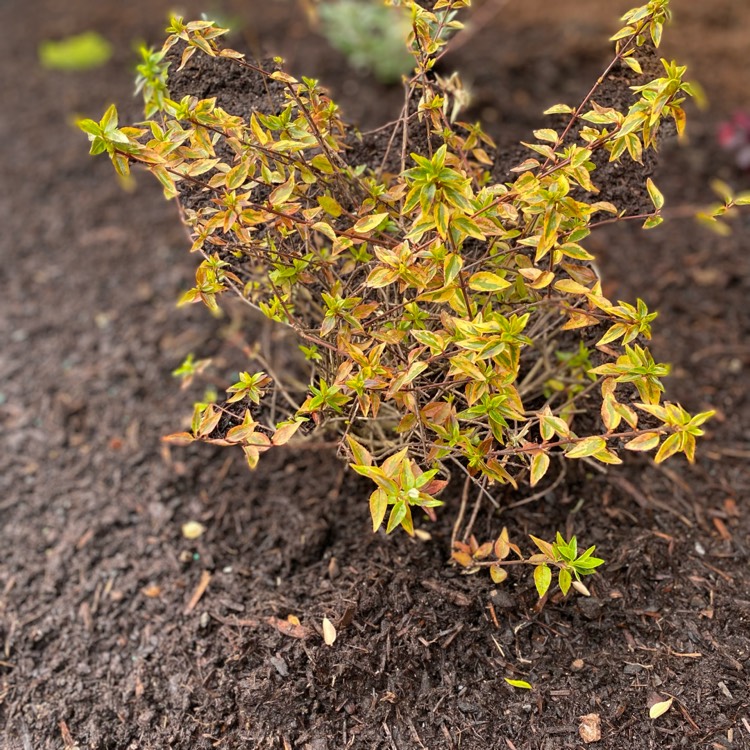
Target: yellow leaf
192	529
370	222
518	683
660	708
484	281
498	573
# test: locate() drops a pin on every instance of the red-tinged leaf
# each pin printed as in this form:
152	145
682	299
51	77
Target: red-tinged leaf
392	465
231	53
285	431
483	551
325	229
646	442
361	455
279	75
577	319
464	559
241	432
435	486
282	193
610	415
179	438
258	439
186	55
526	166
545	547
211	417
502	545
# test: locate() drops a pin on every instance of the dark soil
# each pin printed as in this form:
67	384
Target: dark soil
105	638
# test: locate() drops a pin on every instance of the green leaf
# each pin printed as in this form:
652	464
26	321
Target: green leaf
653	221
542	579
539	466
559	109
668	448
330	205
546	134
361	455
564	579
656	197
80	52
633	64
378	507
398	513
545	547
484	281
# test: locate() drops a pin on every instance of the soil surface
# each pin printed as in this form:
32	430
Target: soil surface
118	632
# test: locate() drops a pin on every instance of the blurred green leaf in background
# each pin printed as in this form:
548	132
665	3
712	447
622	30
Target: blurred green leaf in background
80	52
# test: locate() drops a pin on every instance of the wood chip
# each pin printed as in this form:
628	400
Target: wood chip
455	597
294	630
722	529
200	589
590	728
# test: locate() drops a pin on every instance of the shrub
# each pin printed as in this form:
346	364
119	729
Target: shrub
450	320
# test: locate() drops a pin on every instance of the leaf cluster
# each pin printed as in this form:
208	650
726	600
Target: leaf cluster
448	319
561	556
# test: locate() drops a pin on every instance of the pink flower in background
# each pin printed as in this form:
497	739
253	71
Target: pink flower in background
734	135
